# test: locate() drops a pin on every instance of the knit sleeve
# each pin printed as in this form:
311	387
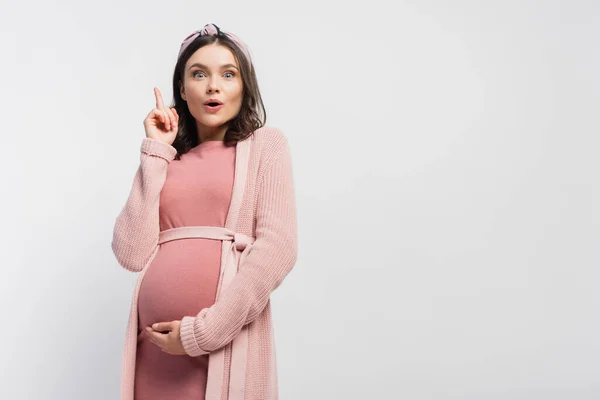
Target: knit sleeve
271	258
135	234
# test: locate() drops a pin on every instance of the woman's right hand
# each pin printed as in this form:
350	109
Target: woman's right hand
162	123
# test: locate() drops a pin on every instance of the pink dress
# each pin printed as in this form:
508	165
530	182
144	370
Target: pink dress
182	279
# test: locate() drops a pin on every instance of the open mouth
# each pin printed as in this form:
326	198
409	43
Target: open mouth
213	106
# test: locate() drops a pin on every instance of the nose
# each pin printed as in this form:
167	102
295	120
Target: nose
212	88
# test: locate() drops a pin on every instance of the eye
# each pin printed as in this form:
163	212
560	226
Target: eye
230	73
196	73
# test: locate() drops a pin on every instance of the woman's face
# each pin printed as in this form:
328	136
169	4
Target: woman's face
212	72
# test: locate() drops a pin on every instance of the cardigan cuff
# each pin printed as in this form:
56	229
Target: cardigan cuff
188	338
155	147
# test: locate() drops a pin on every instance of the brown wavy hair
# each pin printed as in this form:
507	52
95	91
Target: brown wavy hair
252	114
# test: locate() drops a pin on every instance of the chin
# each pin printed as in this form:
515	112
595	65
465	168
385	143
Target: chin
213	122
215	119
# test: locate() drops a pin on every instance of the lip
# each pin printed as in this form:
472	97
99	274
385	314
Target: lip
213	100
213	109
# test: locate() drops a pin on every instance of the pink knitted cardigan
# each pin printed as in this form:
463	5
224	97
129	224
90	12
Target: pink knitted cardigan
259	250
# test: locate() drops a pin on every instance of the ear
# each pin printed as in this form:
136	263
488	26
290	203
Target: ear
182	91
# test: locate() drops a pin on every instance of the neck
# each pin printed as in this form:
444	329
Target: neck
209	134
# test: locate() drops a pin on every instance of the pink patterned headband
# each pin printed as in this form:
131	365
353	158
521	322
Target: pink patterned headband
213	30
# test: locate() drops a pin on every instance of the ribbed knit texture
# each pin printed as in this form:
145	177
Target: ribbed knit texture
268	213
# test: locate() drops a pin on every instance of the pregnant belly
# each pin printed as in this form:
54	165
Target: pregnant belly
181	280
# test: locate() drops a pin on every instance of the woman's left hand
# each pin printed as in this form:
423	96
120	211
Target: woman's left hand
169	342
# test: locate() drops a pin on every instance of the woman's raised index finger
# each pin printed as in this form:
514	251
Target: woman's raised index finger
159	100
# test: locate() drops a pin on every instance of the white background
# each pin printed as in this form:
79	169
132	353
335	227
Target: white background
446	166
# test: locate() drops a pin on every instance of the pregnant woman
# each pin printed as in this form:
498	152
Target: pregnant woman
210	224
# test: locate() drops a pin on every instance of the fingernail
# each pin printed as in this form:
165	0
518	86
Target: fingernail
154	326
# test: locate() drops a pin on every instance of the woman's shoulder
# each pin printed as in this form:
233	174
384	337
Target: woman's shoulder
269	134
269	138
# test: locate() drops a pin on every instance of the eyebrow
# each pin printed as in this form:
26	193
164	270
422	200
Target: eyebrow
205	67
